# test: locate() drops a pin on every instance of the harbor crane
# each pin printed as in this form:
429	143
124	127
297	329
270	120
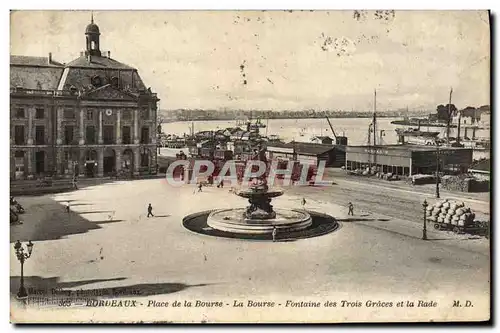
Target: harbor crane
331	127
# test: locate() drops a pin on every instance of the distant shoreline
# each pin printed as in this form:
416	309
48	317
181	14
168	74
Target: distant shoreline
232	115
171	120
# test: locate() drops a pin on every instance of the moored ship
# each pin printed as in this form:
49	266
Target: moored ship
417	136
421	122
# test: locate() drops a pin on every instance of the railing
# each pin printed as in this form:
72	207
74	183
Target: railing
32	91
41	92
59	92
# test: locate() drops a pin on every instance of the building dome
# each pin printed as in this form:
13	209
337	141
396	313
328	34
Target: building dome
92	28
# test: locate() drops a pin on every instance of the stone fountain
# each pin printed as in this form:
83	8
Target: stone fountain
259	217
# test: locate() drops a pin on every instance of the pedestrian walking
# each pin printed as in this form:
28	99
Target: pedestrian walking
303	202
222	183
150	210
199	187
351	208
275	231
67	207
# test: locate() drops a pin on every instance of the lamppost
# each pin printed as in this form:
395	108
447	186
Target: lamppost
158	131
424	231
437	172
21	256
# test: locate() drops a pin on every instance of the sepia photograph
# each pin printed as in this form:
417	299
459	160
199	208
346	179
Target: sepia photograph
250	166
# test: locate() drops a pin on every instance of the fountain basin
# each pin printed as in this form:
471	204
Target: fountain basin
252	193
233	220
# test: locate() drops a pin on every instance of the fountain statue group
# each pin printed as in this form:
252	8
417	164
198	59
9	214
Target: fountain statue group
259	217
259	199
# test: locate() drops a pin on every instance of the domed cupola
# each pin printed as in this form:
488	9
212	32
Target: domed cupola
92	36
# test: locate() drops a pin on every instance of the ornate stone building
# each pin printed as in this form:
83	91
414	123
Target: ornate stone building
92	116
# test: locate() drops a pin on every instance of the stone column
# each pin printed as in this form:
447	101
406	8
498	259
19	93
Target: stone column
81	162
100	141
29	154
60	115
118	162
31	111
82	127
118	127
153	134
100	162
153	160
136	126
59	161
12	164
136	161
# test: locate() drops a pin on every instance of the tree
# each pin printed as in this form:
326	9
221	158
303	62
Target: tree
446	112
468	112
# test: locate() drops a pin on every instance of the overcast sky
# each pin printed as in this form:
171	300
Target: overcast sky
298	60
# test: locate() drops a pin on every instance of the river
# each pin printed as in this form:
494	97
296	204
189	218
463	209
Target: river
356	129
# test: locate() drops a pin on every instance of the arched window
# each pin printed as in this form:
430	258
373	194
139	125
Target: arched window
92	45
114	82
96	81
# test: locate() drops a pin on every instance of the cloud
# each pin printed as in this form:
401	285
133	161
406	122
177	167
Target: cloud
184	55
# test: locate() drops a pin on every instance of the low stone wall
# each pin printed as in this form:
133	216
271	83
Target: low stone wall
40	187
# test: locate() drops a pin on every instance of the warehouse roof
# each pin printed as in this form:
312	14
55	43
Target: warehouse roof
304	148
411	147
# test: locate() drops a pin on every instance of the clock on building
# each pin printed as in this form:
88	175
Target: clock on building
109	112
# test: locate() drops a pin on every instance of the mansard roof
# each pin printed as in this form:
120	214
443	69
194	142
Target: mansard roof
34	73
98	62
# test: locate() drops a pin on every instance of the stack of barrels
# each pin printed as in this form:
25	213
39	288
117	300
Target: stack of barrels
451	212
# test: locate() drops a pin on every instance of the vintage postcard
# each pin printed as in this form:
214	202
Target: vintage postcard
291	166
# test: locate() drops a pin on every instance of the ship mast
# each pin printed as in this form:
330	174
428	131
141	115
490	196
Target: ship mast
374	117
375	127
267	123
449	119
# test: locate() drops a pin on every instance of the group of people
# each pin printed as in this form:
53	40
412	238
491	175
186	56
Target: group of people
15	209
200	185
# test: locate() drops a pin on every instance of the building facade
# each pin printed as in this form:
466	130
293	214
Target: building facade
307	153
407	160
90	117
485	120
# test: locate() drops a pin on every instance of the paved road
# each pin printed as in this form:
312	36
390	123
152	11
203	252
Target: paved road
396	209
378	256
395	200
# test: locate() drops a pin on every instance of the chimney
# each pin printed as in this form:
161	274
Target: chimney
50	58
109	54
81	53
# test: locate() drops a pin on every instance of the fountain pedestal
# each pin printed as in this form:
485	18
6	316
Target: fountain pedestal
259	198
259	217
